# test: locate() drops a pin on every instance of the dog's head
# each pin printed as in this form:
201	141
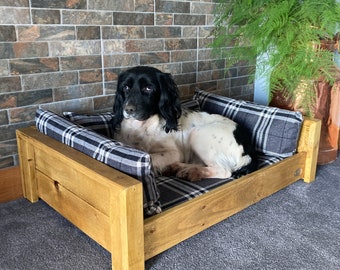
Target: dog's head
144	91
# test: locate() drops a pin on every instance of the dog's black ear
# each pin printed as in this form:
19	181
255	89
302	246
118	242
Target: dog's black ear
169	104
118	107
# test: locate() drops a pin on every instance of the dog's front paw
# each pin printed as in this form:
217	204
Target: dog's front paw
192	174
171	170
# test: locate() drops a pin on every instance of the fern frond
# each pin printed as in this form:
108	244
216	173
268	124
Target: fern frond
289	31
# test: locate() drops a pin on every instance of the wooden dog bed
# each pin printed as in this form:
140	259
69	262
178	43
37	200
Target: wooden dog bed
107	204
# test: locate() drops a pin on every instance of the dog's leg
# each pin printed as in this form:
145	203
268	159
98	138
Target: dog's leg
219	153
161	160
197	172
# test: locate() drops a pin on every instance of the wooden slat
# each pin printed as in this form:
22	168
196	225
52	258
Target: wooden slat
92	167
87	218
127	229
181	222
27	166
74	178
309	143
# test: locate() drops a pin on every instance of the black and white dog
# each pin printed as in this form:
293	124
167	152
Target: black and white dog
190	145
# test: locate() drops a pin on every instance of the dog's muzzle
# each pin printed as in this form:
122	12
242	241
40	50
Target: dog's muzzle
129	111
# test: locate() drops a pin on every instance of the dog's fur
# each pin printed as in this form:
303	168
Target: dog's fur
190	145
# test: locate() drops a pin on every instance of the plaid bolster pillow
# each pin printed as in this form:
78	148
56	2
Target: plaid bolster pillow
126	159
100	122
275	131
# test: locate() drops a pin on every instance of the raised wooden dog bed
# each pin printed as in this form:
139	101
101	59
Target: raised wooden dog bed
107	204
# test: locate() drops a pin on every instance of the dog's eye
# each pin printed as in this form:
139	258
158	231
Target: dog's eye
126	88
147	89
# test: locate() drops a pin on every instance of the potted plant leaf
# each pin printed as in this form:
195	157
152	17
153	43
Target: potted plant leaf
292	42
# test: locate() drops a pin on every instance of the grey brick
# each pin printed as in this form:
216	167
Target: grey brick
7	33
75	4
44	81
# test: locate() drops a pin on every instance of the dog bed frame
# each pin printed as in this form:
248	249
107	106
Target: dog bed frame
108	206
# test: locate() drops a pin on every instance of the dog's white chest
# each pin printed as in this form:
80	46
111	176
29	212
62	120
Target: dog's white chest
142	135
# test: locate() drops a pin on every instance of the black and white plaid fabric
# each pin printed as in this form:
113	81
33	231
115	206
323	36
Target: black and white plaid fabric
100	123
275	131
174	190
124	158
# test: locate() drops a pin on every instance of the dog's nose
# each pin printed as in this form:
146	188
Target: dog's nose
130	109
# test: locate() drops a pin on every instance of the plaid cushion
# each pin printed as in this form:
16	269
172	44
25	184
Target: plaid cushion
275	131
174	190
171	191
191	105
126	159
100	123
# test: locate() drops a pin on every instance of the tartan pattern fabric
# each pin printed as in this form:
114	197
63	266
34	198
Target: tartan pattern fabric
274	131
131	161
191	105
100	123
81	131
174	191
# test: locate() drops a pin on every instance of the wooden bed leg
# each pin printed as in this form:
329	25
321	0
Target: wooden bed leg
309	143
27	168
127	228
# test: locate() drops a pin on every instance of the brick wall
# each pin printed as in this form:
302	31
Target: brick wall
66	55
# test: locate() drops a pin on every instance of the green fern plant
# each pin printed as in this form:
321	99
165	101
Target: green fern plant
290	32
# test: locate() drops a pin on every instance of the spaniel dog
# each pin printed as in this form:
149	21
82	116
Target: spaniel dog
191	145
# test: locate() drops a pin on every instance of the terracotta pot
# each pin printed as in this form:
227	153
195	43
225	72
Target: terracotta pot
326	108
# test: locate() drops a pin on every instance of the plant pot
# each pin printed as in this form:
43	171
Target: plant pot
326	108
328	111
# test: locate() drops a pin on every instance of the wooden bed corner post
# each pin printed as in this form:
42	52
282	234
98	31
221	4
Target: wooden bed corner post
309	143
27	167
127	228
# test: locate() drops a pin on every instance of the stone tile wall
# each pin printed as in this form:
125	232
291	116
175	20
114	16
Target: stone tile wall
65	55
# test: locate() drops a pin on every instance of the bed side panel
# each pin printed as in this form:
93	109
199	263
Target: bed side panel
187	219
